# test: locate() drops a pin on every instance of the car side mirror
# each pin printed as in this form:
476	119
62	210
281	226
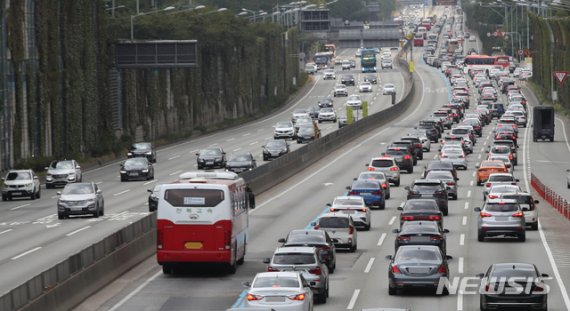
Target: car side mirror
197	154
400	208
78	167
396	231
266	260
246	284
99	191
281	240
328	204
389	257
476	166
347	187
313	224
334	240
445	230
36	177
536	201
368	165
545	275
456	179
58	193
518	146
517	180
355	178
477	209
480	275
448	257
46	168
407	188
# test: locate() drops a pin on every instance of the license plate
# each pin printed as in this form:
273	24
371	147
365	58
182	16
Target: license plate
193	245
364	193
209	162
418	270
133	174
76	208
16	193
275	299
421	239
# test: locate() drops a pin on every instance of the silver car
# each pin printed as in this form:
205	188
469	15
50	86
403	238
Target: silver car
287	291
389	89
340	227
60	173
497	190
283	130
80	199
500	217
388	166
496	179
354	101
306	261
340	90
456	157
355	207
448	180
528	206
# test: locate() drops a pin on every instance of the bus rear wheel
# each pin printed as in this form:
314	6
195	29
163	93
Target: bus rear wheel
167	269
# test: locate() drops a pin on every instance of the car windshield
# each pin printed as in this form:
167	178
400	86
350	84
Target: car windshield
347	201
19	176
440	166
294	259
62	164
420	205
275	144
353	97
389	85
306	130
284	124
498	207
210	152
333	222
275	282
360	184
417	255
382	163
240	158
136	162
410	227
521	199
299	111
460	131
500	150
327	109
513	271
439	175
141	146
504	188
494	178
305	237
77	189
377	176
395	152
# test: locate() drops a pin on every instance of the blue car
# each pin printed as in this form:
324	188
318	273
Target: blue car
370	191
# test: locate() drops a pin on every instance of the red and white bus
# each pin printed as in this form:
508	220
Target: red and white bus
485	62
203	218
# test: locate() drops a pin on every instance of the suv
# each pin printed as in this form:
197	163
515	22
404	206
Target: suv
528	206
340	90
80	199
416	143
21	183
327	114
403	158
143	149
305	260
430	189
498	179
316	238
340	227
500	217
284	130
390	168
60	173
329	74
409	146
211	158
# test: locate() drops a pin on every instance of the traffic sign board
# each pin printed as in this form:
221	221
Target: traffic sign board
560	76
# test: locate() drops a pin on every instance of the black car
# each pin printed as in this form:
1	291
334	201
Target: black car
432	132
409	146
417	144
214	157
306	134
240	162
515	285
325	103
314	112
371	78
417	267
137	168
421	209
429	124
403	157
420	232
319	239
273	149
153	198
430	189
143	149
437	165
347	80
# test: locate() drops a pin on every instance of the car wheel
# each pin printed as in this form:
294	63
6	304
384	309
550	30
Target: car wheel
33	195
39	194
332	268
455	197
97	213
522	237
5	197
48	186
60	216
397	183
445	211
410	170
353	248
480	236
534	226
479	183
123	178
391	290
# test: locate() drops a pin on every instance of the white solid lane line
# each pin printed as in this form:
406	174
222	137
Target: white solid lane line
18	207
6	231
78	230
136	291
26	253
122	192
462	239
352	299
369	265
392	220
381	240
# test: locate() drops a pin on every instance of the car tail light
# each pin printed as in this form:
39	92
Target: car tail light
363	209
518	214
251	297
299	297
394	168
407	157
352	193
316	227
418	145
510	156
370	168
538	289
442	269
436	238
492	196
316	271
395	269
407	218
384	186
159	238
271	269
332	209
377	192
485	214
488	185
450	183
434	217
350	230
403	238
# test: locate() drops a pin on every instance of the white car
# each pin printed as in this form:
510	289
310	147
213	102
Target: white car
528	206
284	130
340	90
21	183
354	101
365	87
355	207
386	63
389	89
327	114
498	179
346	65
329	74
282	290
299	113
311	68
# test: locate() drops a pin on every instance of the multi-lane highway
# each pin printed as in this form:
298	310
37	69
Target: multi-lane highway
32	239
360	280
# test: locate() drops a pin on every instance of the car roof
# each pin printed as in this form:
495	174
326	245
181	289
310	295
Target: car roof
427	181
307	231
334	214
499	201
296	249
278	274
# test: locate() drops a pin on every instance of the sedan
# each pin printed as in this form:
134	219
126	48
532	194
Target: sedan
354	101
355	207
80	199
136	168
319	239
307	134
280	290
214	157
379	177
500	217
347	80
370	191
420	233
365	87
456	157
273	149
417	266
241	162
420	209
430	189
142	149
389	89
499	287
370	78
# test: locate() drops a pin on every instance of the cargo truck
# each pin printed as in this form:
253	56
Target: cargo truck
543	123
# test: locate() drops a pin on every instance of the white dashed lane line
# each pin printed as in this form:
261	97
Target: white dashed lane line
26	253
464	220
175	173
381	240
122	192
392	220
78	230
19	206
369	265
462	239
5	231
174	157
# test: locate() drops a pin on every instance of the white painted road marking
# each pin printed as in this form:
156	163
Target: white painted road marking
392	220
464	221
466	205
150	182
353	299
122	192
253	143
175	173
462	239
26	253
6	231
18	207
381	240
78	230
369	265
460	264
469	193
174	157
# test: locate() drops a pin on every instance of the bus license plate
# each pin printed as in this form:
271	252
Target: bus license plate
193	245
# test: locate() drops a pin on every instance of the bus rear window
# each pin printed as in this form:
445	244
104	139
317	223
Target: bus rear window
194	197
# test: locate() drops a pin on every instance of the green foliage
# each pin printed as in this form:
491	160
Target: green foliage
349	115
364	109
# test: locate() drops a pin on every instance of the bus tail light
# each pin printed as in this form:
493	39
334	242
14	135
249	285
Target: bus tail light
159	238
